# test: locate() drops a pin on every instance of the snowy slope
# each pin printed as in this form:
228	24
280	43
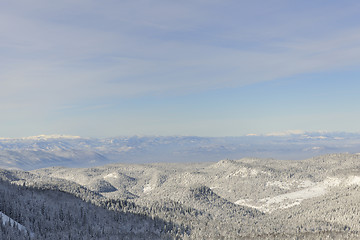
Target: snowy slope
317	197
265	184
8	220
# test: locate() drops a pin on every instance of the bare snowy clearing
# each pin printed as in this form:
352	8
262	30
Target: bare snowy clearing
294	198
8	220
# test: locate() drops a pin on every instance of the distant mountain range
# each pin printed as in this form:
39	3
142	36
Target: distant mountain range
30	153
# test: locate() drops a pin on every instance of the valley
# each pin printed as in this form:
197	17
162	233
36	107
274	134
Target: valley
43	151
248	198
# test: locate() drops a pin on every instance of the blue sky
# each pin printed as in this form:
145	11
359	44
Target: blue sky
207	68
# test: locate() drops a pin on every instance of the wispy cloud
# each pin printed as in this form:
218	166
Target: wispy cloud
67	52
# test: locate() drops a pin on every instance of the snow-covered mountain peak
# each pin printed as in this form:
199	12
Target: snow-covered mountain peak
44	137
52	136
285	133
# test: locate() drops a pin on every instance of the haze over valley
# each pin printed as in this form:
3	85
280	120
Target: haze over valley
73	151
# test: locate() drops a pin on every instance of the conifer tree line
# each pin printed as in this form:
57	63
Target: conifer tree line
54	208
50	214
53	214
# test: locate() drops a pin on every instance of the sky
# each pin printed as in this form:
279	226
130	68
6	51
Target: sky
205	68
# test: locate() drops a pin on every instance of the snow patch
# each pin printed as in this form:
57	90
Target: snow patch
305	184
285	133
53	136
332	182
243	172
282	185
111	175
6	219
252	134
292	199
125	149
147	188
353	180
317	137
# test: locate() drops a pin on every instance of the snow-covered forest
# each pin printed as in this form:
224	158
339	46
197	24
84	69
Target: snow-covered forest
249	198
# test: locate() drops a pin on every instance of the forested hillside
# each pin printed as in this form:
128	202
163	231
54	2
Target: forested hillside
248	198
50	214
